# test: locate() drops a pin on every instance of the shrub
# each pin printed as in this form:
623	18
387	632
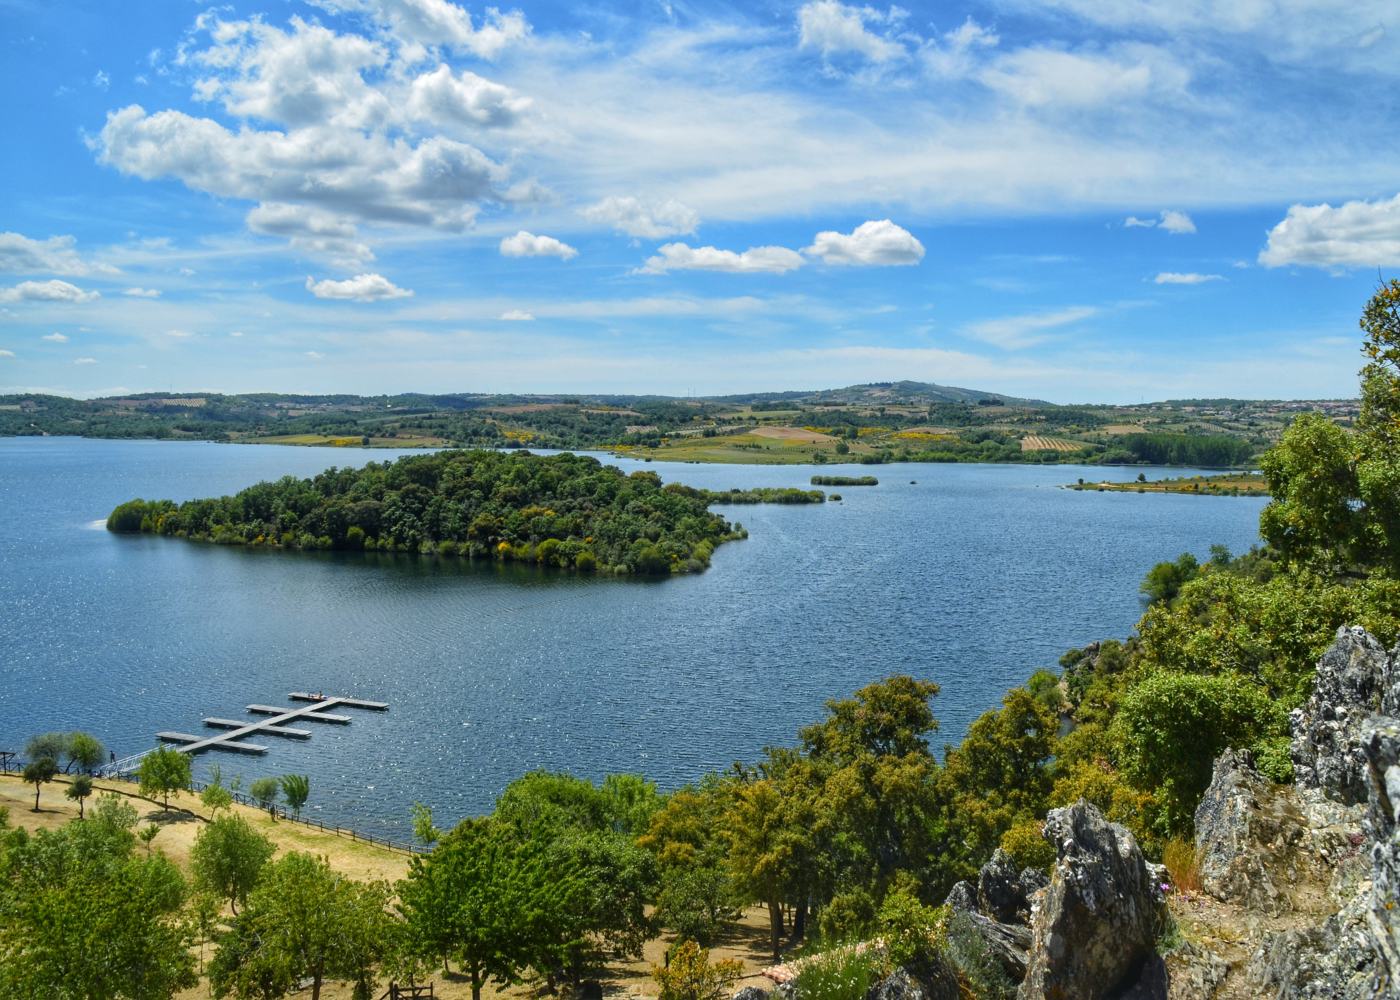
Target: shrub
1179	857
690	975
1027	847
844	973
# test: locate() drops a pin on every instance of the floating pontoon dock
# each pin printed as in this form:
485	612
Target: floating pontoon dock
272	726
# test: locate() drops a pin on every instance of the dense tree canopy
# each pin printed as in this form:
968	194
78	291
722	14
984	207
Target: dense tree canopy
568	511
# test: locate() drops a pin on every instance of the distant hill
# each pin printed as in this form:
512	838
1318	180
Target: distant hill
903	393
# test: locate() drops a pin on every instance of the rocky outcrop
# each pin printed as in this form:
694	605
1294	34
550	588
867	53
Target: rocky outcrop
962	899
1096	926
1251	837
1005	894
1381	744
930	981
1355	679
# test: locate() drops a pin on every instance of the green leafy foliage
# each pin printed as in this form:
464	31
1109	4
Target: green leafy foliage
228	857
296	789
565	511
163	771
690	975
80	916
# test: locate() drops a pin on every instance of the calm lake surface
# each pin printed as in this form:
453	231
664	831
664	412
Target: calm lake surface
972	576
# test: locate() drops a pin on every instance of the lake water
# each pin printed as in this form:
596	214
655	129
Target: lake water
972	576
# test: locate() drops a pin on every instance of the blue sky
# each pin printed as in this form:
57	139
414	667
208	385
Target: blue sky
1079	200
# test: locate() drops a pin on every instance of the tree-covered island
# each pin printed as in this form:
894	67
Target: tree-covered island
566	511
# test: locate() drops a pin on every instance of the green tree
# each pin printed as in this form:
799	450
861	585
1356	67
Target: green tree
303	921
264	792
78	790
37	773
760	852
1165	580
163	771
84	751
296	788
81	917
228	858
1171	727
423	829
1315	516
475	898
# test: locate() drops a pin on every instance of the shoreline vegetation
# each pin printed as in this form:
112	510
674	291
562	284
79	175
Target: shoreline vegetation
845	481
564	511
1232	484
871	424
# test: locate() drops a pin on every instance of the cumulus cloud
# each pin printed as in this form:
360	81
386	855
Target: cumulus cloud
55	338
833	28
874	243
312	230
434	24
360	288
517	315
524	244
84	361
142	293
647	220
1170	220
1187	278
1177	222
464	99
21	255
46	291
756	260
1011	332
1354	234
349	174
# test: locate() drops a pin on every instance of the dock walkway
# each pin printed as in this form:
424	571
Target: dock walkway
274	725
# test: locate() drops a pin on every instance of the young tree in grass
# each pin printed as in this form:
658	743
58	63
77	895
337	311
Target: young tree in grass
296	789
228	858
147	834
84	751
78	790
216	797
164	771
51	745
37	772
264	792
423	829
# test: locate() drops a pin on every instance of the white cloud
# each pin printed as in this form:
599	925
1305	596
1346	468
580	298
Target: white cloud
314	355
1012	332
360	288
1044	77
1187	278
46	291
517	315
55	338
955	57
524	244
142	293
647	220
1169	220
834	28
235	333
55	255
101	80
1178	223
359	176
1354	234
463	99
84	361
179	334
874	243
756	260
6	354
431	24
311	230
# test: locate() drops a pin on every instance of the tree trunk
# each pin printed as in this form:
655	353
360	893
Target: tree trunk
36	796
476	982
799	922
316	987
80	807
775	928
